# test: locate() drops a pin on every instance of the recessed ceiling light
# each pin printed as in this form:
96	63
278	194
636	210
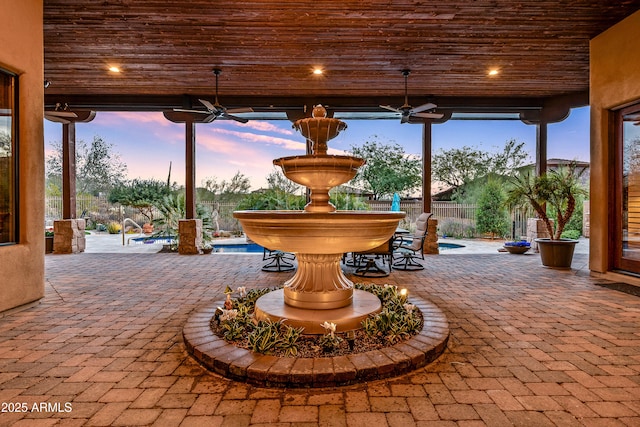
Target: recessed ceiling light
114	69
493	72
317	71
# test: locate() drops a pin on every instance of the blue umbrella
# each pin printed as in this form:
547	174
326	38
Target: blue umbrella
395	205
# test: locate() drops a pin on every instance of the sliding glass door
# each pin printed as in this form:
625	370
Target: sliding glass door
626	218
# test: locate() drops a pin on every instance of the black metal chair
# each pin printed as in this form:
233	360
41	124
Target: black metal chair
278	261
366	263
407	252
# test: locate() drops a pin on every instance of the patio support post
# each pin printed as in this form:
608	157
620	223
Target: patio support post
68	232
68	170
431	245
189	228
541	147
426	166
190	166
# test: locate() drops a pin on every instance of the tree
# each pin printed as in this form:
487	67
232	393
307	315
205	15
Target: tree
509	160
141	194
277	181
238	184
5	144
98	168
552	195
388	169
459	166
491	215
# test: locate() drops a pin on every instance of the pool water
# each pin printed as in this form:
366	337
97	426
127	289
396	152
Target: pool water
445	246
164	240
255	248
239	248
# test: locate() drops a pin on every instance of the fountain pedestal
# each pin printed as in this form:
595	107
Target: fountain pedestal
318	283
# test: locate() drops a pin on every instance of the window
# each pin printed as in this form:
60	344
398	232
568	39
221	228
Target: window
8	158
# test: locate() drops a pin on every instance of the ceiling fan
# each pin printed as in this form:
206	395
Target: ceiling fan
61	114
216	110
407	111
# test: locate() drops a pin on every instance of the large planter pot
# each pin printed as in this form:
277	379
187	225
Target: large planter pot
48	244
556	253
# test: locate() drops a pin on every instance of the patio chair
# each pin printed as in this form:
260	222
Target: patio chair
366	263
278	261
406	252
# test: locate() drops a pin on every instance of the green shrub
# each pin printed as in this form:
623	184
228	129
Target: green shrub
571	234
491	216
397	321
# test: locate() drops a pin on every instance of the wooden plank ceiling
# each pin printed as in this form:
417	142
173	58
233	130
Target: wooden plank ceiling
268	49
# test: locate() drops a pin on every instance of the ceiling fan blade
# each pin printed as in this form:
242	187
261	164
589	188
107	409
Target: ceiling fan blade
427	106
56	119
69	114
390	108
236	118
210	106
240	110
184	110
429	115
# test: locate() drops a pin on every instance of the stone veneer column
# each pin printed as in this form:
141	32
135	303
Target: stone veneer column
431	243
68	236
536	229
190	236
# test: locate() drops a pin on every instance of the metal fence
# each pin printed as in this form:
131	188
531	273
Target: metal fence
454	219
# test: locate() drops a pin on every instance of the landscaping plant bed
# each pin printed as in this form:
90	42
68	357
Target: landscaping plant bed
397	322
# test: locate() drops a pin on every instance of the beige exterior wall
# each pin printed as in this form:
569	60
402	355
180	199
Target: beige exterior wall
615	81
21	52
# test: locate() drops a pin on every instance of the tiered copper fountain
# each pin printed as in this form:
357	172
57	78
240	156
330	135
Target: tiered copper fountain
319	236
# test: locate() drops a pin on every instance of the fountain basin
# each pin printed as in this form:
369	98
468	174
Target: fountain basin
319	129
319	232
320	173
322	170
319	239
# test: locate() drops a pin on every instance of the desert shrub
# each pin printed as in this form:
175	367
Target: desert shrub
456	229
114	227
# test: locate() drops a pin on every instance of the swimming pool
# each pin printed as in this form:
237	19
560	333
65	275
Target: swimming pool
238	248
445	246
163	240
255	248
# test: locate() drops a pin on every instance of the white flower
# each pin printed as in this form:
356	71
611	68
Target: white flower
242	290
228	315
329	327
409	308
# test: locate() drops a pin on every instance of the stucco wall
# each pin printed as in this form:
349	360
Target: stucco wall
21	52
615	81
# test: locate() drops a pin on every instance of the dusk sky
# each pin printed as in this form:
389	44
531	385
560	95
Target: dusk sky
147	142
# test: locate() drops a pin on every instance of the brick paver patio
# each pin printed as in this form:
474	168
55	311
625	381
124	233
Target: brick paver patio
529	346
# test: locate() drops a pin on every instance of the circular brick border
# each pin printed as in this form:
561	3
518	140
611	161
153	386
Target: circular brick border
240	364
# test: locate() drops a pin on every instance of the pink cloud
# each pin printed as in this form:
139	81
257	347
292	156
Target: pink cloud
267	127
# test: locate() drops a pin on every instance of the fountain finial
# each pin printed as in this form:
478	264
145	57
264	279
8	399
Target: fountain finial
318	129
319	112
